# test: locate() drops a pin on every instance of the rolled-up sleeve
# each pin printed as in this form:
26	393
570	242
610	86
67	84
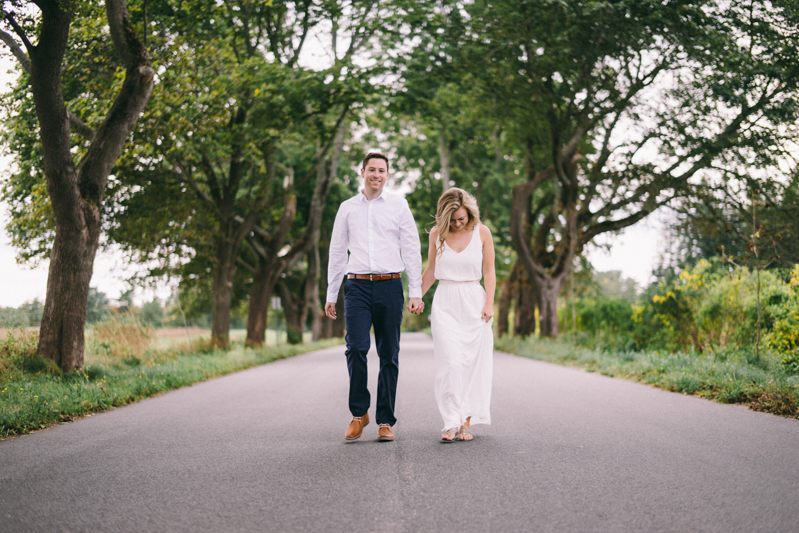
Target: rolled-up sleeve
411	249
337	260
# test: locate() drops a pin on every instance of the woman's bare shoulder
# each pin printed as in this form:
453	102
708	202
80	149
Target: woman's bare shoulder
434	232
485	233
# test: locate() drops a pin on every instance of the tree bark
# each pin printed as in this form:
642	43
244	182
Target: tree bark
546	278
295	311
548	290
506	297
273	266
526	301
445	156
223	290
267	273
76	195
312	298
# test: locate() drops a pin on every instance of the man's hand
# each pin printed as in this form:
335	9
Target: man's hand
330	310
416	306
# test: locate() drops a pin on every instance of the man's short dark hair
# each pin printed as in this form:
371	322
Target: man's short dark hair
375	155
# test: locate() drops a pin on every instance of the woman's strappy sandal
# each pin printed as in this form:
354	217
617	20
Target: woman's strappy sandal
449	435
463	434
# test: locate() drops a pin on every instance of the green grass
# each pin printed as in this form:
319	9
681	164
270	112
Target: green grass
35	394
731	376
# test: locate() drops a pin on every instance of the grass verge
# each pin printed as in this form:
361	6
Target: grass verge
35	394
725	376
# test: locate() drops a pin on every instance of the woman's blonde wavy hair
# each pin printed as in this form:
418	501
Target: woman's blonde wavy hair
451	201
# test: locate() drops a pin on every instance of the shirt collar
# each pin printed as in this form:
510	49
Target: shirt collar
363	197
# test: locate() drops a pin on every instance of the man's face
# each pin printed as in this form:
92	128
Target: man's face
375	175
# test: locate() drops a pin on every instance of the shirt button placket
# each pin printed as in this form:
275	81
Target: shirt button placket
369	226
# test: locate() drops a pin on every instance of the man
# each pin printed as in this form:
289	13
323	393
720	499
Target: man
378	230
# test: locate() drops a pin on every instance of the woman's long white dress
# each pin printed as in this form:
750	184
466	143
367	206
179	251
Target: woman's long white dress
463	343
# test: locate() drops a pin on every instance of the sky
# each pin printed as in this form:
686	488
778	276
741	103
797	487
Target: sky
635	252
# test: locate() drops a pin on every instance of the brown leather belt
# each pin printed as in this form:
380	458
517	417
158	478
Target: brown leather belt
374	277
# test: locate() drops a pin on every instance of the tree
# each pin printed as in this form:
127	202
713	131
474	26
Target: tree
631	112
231	145
717	219
75	191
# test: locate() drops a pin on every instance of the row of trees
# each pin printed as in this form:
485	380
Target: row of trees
568	119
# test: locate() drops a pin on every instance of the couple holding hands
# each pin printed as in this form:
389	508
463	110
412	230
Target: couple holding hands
379	232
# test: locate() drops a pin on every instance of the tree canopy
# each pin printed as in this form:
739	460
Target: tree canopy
567	119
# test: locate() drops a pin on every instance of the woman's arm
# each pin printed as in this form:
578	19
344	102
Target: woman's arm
429	275
489	272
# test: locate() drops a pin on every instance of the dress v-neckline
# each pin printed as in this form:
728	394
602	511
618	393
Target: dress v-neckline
466	247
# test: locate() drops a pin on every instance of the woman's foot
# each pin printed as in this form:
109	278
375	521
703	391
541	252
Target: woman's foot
463	432
449	435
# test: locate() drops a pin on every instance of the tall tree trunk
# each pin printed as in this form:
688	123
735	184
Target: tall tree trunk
295	311
76	195
527	299
444	156
268	271
547	270
263	285
332	329
61	336
548	290
506	297
223	291
312	299
327	159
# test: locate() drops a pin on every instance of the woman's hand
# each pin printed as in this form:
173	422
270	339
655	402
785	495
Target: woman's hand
488	312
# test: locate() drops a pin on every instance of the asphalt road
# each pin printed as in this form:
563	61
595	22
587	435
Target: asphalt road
263	450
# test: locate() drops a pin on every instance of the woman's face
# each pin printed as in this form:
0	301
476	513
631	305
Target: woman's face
458	219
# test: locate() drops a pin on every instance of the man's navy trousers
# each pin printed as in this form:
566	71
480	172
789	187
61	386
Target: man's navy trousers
378	303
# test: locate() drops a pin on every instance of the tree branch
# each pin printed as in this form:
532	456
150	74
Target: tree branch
125	41
18	30
77	125
18	52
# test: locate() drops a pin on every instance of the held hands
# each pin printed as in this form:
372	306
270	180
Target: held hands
416	306
488	312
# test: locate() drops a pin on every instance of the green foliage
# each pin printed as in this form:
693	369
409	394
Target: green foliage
152	314
96	307
603	322
707	308
26	315
783	313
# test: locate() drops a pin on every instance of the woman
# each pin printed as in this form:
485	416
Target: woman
461	250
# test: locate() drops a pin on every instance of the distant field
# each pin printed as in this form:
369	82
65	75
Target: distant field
4	331
170	337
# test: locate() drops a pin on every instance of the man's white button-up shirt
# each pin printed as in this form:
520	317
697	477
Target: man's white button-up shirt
381	237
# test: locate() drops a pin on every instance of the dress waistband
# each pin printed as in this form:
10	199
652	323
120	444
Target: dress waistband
455	282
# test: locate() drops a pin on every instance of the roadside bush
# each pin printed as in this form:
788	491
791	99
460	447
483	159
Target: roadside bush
708	308
603	323
784	321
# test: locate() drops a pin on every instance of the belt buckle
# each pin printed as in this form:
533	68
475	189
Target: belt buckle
371	277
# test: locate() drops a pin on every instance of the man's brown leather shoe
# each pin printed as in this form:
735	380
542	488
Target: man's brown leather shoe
355	428
385	433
